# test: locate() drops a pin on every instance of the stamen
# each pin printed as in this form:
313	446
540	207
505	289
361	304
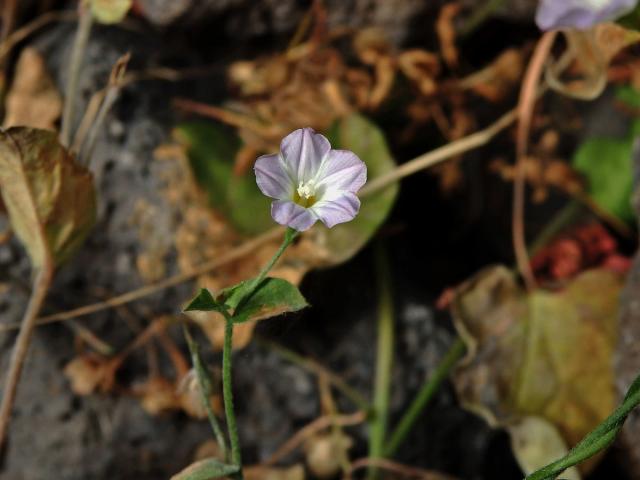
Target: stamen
306	190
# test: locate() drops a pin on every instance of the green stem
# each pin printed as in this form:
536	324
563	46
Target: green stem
227	393
205	390
289	236
227	387
384	359
599	438
425	394
71	92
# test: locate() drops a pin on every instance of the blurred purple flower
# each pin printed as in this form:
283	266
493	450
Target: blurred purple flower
309	181
579	14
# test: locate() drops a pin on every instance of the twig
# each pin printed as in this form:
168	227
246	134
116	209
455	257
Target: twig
470	142
404	470
112	93
422	162
526	104
40	287
238	252
311	429
99	345
30	28
8	18
229	117
77	55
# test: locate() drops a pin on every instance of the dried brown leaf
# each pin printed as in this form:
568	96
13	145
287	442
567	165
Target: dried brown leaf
33	99
422	68
295	472
589	53
89	374
447	33
50	198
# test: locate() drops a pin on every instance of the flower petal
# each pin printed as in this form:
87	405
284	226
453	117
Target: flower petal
303	152
342	170
288	213
580	14
272	177
339	207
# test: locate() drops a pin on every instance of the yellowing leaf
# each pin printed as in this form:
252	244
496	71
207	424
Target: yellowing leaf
546	354
110	11
50	198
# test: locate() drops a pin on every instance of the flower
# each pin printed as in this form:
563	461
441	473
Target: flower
581	14
309	181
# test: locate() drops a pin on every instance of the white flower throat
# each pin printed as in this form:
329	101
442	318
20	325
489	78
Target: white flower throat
307	190
305	194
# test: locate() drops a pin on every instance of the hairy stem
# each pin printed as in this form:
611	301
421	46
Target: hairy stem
41	285
227	393
205	390
71	92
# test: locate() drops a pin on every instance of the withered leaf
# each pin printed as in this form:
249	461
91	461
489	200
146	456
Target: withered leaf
591	51
540	354
50	199
294	472
33	99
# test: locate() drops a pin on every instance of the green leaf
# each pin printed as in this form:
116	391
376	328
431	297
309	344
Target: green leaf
365	139
204	302
607	165
212	152
272	297
206	469
50	198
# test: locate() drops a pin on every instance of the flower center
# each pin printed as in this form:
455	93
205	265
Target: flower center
305	194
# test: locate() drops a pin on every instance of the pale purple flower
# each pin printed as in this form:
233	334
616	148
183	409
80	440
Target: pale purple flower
309	181
580	14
